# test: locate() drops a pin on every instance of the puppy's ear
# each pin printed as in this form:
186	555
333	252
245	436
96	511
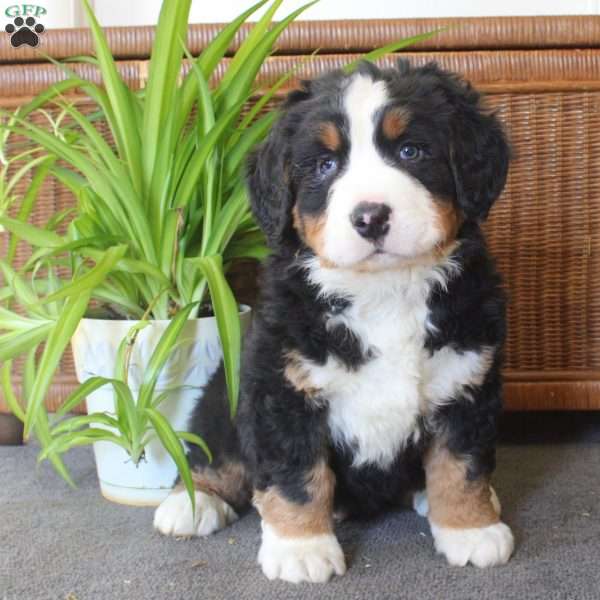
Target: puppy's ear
479	154
269	174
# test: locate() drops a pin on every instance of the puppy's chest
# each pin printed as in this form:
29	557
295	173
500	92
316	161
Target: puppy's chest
374	409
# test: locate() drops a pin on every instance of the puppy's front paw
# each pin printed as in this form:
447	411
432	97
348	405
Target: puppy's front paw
483	547
311	558
174	515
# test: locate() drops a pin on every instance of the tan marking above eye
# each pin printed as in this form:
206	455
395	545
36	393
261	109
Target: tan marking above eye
394	122
330	136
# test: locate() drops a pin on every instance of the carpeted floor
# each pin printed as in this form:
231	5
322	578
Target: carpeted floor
60	544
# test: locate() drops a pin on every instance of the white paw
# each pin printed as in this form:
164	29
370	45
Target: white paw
420	504
313	559
483	547
174	515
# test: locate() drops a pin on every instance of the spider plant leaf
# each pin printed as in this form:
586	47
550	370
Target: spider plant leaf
7	390
12	321
65	441
15	343
42	432
29	373
80	393
207	61
132	265
33	235
268	95
165	65
228	220
58	339
74	181
57	89
192	438
228	322
161	354
206	122
24	170
130	419
72	156
53	285
58	218
98	95
250	44
102	148
235	88
29	200
86	245
246	249
173	446
22	291
192	174
72	424
110	296
246	141
390	48
87	282
206	112
119	98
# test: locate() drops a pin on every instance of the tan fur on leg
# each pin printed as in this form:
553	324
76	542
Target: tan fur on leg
230	482
291	519
454	501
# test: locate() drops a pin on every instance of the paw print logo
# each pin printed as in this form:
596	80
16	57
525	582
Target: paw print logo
24	32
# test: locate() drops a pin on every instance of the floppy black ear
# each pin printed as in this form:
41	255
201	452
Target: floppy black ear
479	156
269	174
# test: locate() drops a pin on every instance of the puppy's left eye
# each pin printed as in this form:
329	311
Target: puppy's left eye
327	166
410	152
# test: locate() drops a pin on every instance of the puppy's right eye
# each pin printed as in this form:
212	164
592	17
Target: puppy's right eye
327	166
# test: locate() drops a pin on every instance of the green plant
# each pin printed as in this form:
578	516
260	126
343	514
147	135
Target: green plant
161	207
161	212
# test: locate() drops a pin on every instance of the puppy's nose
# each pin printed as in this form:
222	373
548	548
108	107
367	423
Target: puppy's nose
371	219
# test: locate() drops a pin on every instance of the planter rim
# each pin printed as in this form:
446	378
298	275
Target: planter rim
244	310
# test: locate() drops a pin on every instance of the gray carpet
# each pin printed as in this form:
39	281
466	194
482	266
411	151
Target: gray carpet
56	543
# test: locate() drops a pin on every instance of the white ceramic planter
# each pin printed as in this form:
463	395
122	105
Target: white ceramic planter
193	363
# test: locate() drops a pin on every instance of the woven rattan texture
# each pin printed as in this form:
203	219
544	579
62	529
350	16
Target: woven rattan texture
340	36
539	70
545	230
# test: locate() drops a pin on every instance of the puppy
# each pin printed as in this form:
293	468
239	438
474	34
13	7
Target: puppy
372	370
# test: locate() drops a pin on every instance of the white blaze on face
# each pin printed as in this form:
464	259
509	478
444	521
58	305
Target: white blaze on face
414	222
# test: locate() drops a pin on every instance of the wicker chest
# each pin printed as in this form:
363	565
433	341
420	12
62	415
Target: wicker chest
543	76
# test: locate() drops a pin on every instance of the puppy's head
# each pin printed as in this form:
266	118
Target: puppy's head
377	168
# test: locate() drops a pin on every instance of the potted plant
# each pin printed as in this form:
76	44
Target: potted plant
160	214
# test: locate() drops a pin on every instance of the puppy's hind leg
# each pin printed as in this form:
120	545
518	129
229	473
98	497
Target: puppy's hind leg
222	488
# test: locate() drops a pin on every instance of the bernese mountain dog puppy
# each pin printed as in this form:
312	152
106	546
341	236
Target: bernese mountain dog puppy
372	369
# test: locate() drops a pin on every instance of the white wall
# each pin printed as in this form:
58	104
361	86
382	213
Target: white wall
145	12
67	13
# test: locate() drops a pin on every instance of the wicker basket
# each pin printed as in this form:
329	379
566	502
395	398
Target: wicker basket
543	76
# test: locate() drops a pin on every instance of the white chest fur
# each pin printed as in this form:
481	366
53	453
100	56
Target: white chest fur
375	409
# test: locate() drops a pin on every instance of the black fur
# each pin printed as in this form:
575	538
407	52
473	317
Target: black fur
283	434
